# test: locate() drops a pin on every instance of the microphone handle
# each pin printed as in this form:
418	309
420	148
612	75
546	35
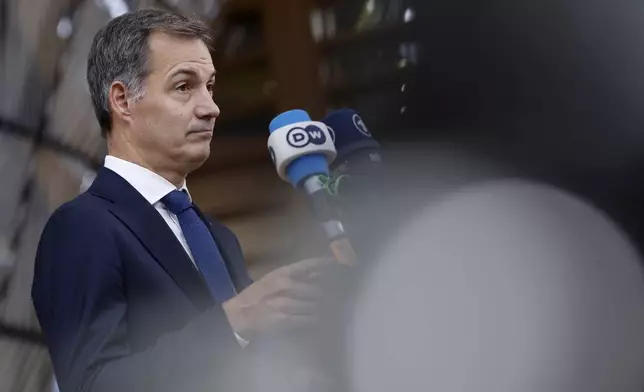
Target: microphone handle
326	213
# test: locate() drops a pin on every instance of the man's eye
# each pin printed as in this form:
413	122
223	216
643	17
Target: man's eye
183	87
211	89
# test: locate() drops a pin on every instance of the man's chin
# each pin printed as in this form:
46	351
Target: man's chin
198	157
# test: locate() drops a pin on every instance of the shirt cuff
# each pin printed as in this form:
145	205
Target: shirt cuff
242	342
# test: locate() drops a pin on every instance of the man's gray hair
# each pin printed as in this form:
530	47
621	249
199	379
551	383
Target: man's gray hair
120	53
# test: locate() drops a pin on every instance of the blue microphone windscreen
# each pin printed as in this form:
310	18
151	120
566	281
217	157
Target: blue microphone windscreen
304	166
287	118
350	132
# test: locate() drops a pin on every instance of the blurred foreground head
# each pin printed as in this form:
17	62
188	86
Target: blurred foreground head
505	286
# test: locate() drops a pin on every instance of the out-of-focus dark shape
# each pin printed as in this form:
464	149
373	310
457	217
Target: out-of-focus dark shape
551	88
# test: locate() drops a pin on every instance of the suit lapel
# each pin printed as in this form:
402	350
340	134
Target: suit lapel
145	222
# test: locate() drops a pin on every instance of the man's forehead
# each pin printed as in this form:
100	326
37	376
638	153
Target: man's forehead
169	54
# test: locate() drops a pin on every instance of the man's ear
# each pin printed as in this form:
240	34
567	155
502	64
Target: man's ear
118	100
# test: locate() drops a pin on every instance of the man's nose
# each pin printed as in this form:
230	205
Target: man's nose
206	107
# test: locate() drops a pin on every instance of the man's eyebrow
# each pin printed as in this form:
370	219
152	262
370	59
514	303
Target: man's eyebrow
191	72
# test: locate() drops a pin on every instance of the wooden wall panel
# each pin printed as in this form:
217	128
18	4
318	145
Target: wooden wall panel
239	190
229	151
293	55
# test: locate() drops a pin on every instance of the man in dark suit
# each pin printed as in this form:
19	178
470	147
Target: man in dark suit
134	288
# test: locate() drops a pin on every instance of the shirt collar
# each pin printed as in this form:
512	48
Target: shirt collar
150	185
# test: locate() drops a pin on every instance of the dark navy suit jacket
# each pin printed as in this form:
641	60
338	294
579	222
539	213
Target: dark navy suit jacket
120	303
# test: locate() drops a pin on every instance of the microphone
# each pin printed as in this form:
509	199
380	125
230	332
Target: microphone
357	176
358	153
302	150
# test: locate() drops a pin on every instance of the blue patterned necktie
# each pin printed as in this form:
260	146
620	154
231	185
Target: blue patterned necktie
202	245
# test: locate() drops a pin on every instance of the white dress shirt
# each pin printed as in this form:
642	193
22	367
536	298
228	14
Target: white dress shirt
153	188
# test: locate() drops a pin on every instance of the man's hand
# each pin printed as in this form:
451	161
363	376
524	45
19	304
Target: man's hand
286	297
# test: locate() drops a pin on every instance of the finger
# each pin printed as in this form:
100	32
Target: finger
305	292
280	320
304	268
312	277
301	309
285	322
298	320
294	307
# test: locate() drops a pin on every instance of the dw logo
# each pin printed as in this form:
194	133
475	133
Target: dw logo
357	121
301	137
